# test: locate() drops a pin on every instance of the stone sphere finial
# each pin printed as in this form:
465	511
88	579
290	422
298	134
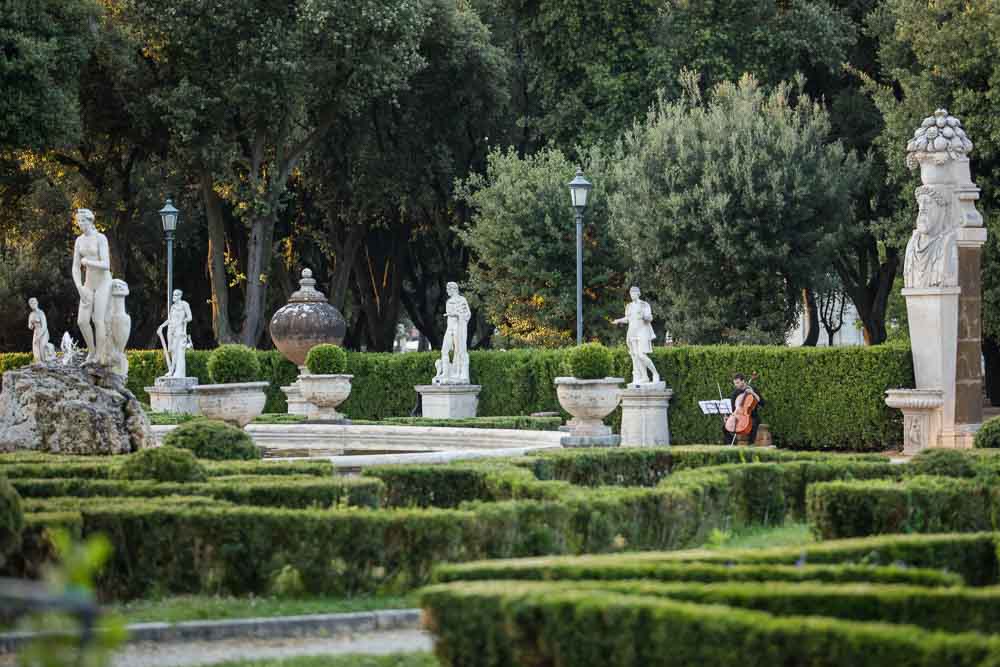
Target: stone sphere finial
939	137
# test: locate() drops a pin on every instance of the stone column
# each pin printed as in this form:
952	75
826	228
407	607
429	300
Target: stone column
942	287
644	415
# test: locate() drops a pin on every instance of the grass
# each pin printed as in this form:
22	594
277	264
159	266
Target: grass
395	660
760	537
204	607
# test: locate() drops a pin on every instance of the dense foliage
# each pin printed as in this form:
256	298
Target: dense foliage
326	359
162	464
211	439
233	363
11	519
988	435
590	361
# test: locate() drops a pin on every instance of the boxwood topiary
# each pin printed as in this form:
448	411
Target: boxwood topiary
943	462
212	439
162	464
988	435
233	363
326	359
11	519
590	361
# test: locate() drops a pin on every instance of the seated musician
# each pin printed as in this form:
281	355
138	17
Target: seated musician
739	387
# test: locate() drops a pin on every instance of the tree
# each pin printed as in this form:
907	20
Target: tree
522	238
43	45
944	54
250	90
730	204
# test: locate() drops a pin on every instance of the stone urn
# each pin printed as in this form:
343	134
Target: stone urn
326	392
589	402
305	321
235	402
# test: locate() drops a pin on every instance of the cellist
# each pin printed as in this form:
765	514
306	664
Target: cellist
740	386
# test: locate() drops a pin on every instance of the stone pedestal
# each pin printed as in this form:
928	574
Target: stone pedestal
968	371
296	404
448	401
174	395
933	316
922	413
644	415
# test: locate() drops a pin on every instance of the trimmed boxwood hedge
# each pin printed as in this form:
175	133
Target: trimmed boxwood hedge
503	624
925	504
817	398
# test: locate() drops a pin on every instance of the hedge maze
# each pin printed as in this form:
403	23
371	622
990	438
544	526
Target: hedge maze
572	557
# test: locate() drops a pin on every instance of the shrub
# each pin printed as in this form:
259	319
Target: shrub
944	462
988	435
326	359
11	519
503	624
162	464
212	439
590	361
233	363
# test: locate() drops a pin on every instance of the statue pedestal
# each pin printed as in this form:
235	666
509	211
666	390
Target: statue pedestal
644	415
174	395
922	412
296	404
448	401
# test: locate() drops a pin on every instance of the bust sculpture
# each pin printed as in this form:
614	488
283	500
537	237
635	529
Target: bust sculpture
932	252
454	369
639	338
177	340
41	349
92	276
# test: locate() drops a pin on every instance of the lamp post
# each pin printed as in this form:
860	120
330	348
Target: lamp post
579	189
169	216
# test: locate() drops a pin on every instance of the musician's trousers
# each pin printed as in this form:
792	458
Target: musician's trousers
727	437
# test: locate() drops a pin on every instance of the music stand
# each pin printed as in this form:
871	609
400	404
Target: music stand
722	407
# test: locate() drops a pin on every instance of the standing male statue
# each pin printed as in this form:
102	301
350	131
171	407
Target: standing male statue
639	338
177	341
92	258
41	349
457	313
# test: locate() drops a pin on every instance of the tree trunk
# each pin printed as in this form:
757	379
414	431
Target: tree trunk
810	318
217	261
258	265
378	279
343	266
870	294
991	351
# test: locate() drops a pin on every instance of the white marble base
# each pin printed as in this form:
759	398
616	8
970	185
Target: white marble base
933	319
922	416
644	415
571	441
448	401
296	404
174	395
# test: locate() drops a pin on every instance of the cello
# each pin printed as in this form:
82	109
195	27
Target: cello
741	422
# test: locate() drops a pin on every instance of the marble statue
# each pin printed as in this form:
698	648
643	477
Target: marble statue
68	348
932	252
639	338
454	370
119	326
177	341
402	338
41	349
92	275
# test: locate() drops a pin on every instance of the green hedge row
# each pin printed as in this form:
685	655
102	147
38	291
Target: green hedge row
53	466
973	556
264	491
501	624
817	398
502	511
923	504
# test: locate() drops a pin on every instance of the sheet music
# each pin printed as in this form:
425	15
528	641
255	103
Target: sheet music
713	407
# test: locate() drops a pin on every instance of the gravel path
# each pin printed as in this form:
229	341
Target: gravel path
148	654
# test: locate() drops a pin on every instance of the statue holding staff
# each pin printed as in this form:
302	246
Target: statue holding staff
177	340
456	369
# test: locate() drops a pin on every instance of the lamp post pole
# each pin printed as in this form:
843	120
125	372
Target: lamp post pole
579	190
168	217
579	275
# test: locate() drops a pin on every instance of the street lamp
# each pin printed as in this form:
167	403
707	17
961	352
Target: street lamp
579	189
169	216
